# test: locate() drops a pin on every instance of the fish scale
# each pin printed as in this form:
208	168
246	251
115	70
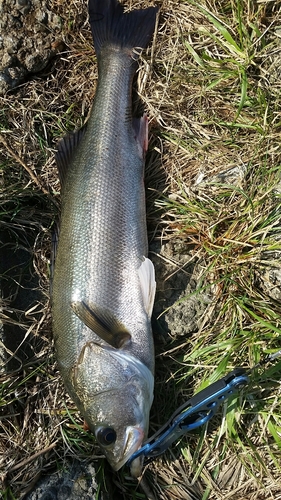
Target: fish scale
103	286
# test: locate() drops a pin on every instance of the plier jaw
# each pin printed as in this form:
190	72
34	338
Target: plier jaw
197	411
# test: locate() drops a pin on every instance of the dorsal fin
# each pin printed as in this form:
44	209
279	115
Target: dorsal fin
66	149
54	245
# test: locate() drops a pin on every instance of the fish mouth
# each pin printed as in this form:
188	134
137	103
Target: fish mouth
134	439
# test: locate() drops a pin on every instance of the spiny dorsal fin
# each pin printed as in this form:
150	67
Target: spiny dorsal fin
66	149
148	284
102	323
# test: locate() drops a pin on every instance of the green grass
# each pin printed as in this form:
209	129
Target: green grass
232	222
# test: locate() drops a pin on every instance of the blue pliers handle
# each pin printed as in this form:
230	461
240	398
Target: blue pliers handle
195	412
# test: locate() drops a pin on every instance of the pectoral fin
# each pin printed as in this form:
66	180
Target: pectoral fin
103	324
148	284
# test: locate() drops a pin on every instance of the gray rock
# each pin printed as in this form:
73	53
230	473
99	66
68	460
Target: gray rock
178	307
30	37
76	480
269	278
232	176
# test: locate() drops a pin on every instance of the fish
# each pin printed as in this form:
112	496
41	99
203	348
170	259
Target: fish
104	283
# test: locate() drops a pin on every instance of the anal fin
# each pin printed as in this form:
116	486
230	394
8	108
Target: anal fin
140	128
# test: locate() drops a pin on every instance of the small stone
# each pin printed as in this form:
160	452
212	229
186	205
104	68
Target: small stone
23	6
42	16
4	83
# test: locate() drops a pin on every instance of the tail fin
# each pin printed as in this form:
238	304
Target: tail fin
110	25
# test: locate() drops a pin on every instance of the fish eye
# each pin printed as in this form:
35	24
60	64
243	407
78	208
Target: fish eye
106	436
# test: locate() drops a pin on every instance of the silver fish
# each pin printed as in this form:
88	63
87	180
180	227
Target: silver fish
104	284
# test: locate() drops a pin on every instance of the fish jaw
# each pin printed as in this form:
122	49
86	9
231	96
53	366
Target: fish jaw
114	391
133	441
136	467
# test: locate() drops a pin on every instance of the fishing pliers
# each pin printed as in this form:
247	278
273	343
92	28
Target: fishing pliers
195	412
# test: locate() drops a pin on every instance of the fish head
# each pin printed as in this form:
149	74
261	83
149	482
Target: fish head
115	393
121	432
